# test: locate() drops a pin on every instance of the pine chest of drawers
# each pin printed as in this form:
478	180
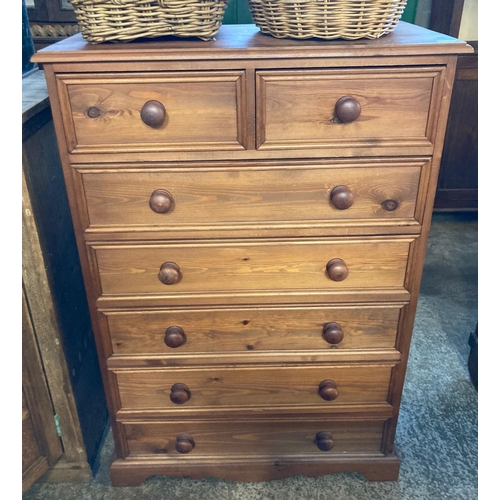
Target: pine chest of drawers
252	216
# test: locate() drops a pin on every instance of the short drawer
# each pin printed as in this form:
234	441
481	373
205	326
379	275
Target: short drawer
153	112
265	387
365	109
238	266
201	198
257	437
251	329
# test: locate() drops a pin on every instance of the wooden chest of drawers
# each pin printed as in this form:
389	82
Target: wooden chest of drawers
252	216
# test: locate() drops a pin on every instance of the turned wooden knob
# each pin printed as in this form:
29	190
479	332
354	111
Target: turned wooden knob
347	109
324	441
341	197
184	443
161	201
337	270
153	114
170	273
180	394
175	336
328	390
332	333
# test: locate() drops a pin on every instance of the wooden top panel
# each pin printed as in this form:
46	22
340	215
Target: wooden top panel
406	39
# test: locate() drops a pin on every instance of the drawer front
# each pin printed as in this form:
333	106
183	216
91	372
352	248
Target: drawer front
200	111
246	329
304	109
270	387
265	437
166	199
253	266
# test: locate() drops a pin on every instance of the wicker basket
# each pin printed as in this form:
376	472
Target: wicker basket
327	19
125	20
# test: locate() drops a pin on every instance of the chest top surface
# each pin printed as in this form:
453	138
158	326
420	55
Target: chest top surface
247	42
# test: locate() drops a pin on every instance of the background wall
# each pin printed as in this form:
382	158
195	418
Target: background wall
28	46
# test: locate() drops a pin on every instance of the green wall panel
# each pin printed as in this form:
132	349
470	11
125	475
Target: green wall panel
410	11
237	12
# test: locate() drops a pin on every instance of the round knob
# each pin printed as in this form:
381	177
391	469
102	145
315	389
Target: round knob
332	333
153	114
161	201
341	197
324	441
347	109
175	336
390	205
337	270
170	273
180	394
328	390
184	443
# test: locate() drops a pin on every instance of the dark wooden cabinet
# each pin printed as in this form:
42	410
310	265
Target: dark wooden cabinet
50	21
458	179
41	444
61	377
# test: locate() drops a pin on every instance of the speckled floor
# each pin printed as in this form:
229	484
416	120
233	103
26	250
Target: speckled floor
437	432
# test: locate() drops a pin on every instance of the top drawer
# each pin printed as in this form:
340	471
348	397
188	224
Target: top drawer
150	113
346	109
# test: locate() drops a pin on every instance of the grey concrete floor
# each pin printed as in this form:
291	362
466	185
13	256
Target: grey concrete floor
437	436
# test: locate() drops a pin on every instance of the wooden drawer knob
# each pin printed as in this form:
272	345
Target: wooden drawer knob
324	441
175	337
184	443
332	333
341	197
328	390
180	394
347	109
161	201
337	270
170	273
153	114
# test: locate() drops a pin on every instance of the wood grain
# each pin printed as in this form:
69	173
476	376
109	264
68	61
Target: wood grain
259	265
43	320
234	196
273	438
251	234
296	109
248	329
374	467
273	387
201	111
246	42
38	412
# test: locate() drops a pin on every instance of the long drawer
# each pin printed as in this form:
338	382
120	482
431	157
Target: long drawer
279	437
265	265
251	329
165	198
263	386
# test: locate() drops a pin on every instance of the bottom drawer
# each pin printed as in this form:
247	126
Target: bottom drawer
271	437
